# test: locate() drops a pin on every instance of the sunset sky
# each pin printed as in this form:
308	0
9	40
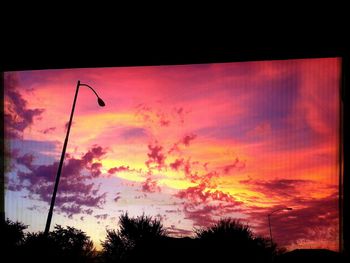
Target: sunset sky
187	144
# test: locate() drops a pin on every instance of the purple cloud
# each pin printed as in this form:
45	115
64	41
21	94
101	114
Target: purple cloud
204	207
117	197
278	187
16	115
76	191
26	160
102	216
131	133
312	219
70	210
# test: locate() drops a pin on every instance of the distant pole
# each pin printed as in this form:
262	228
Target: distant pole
268	217
101	103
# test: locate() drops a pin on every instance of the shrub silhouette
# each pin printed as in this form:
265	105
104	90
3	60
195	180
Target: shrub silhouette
229	238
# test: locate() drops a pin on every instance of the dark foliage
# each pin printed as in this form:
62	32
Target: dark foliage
61	245
144	239
115	248
231	239
132	238
12	234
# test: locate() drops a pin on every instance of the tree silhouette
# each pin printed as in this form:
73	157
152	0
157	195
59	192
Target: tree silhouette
61	245
115	247
229	238
141	228
12	235
132	239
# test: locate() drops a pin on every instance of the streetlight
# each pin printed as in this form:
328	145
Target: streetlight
102	104
269	215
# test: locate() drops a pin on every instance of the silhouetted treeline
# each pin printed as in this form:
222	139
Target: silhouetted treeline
61	245
141	239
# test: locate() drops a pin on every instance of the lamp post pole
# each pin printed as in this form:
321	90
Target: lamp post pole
268	217
59	170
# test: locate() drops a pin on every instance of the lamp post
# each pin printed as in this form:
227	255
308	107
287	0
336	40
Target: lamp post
102	104
269	215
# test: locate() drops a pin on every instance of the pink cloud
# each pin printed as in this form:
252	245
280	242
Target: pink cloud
185	140
198	194
177	164
155	156
118	169
180	113
150	186
153	116
48	130
178	232
237	164
189	174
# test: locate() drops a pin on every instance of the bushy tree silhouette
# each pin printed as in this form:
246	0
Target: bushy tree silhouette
133	238
61	245
141	228
229	238
114	248
12	235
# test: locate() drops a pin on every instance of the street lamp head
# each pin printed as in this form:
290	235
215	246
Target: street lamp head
100	102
